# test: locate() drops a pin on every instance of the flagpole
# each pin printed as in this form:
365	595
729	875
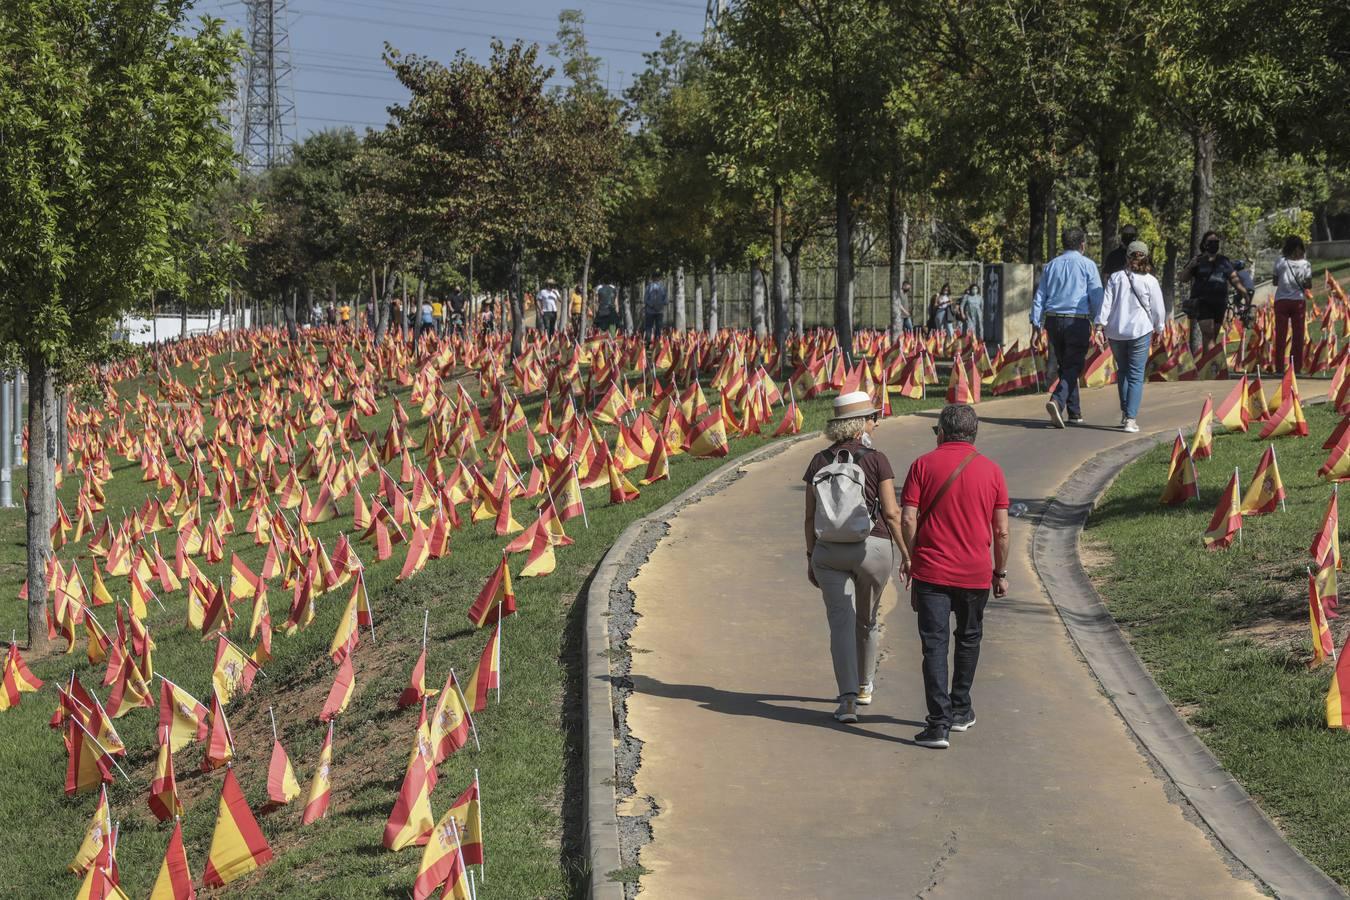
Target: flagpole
247	656
499	658
1237	484
459	852
467	713
361	579
111	758
482	866
1276	461
273	718
229	736
426	620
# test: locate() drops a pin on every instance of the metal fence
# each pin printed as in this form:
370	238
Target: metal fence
871	292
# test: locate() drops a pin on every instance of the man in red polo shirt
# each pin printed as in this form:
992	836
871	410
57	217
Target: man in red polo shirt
954	506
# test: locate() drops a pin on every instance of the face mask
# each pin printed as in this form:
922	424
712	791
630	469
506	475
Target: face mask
866	440
1210	246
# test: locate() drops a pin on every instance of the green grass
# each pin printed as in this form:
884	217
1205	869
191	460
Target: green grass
1226	635
530	742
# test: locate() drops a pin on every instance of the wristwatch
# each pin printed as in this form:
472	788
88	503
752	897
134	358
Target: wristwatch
1003	574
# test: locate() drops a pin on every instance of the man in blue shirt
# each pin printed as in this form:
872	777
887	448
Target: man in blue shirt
653	308
1066	303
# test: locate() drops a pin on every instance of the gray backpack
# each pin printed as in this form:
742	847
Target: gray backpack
840	488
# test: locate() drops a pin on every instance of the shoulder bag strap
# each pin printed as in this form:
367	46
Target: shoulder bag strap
942	492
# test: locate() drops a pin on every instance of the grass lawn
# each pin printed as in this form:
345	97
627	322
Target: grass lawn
529	742
1226	633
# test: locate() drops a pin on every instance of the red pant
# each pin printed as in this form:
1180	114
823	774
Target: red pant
1287	313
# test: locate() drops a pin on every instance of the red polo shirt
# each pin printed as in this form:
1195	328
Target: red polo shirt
952	547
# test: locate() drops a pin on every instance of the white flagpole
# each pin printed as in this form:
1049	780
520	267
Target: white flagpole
274	723
498	654
1276	461
361	578
467	713
111	758
426	620
1237	481
482	867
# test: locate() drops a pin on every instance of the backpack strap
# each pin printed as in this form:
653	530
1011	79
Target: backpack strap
942	492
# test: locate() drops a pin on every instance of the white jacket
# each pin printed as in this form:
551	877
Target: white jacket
1131	311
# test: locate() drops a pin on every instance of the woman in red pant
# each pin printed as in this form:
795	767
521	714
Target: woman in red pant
1293	278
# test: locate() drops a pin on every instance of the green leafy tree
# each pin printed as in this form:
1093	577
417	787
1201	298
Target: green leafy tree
110	131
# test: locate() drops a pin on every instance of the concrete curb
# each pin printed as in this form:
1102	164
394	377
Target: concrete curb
1231	815
601	730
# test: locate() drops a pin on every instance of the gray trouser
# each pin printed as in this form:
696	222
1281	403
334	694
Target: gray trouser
851	578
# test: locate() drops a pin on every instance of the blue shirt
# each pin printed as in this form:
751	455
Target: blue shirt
1070	286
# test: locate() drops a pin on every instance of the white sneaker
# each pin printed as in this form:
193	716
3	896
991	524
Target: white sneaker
847	711
1130	426
865	694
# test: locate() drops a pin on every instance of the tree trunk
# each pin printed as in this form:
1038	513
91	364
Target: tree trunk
698	303
794	261
897	222
681	321
1052	229
1202	185
843	273
757	300
1108	193
780	276
1036	201
584	325
1169	273
517	302
713	323
183	329
41	502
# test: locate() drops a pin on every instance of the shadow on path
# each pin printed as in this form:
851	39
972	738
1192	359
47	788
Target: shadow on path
738	703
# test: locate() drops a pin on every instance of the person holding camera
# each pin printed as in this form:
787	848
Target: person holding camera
1210	274
1293	279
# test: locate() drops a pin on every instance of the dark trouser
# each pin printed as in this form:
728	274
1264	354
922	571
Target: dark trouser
606	320
1069	338
1290	317
936	604
651	325
548	321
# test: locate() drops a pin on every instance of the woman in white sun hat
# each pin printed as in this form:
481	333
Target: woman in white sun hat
852	530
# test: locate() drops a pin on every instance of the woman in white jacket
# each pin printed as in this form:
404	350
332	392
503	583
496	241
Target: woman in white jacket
1132	309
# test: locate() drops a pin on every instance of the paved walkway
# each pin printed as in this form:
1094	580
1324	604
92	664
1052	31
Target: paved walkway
763	795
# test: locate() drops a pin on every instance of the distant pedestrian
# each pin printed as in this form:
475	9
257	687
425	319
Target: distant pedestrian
972	312
546	302
906	316
653	308
946	316
1066	303
1116	259
426	320
606	307
1293	282
576	303
852	543
1132	310
458	313
954	507
1211	274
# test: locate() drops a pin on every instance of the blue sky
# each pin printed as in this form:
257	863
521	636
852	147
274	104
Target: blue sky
336	44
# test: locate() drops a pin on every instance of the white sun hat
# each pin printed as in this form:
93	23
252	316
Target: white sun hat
852	405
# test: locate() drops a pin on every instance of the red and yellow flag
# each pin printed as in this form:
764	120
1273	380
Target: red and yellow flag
321	788
443	865
182	714
234	671
96	835
164	801
358	613
1182	483
467	811
451	723
496	600
1202	442
340	694
1326	547
487	674
1338	695
1227	520
1322	644
1266	492
237	846
174	881
709	437
541	560
411	821
1232	412
282	787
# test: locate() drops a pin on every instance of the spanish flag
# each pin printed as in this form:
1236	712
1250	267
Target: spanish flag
487	674
496	599
1288	418
541	560
1322	644
340	694
1326	547
709	437
411	821
1182	483
419	550
234	671
243	583
349	626
282	787
467	812
321	788
621	490
1202	442
1227	519
182	714
237	846
1337	465
1338	695
1324	579
175	878
96	835
220	747
450	724
1266	492
164	801
130	691
15	678
417	683
443	867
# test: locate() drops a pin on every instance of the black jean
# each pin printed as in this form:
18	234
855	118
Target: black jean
936	604
651	325
1070	339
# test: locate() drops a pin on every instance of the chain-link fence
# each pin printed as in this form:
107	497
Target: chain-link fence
871	293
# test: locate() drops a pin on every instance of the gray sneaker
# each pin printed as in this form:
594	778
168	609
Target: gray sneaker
1131	426
934	736
1056	414
847	711
963	721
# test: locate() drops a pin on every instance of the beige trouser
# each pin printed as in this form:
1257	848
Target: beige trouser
851	579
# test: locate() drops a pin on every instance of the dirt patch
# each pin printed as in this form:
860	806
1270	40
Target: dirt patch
1095	556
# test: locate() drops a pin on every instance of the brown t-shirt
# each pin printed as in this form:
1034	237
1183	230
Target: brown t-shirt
876	468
